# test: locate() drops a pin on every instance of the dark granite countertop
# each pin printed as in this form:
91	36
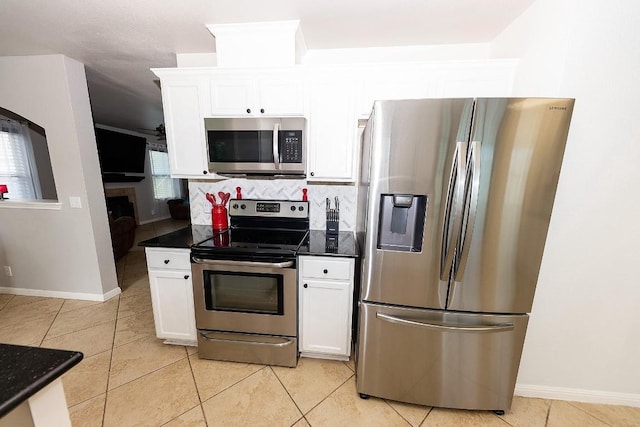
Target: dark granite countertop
24	371
344	245
180	239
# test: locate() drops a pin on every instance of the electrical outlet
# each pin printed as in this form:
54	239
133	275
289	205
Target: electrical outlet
153	212
7	271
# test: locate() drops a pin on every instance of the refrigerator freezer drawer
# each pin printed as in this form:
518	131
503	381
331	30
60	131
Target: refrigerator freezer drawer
439	358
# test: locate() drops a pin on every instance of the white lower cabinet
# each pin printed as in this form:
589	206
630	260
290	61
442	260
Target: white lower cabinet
325	295
172	295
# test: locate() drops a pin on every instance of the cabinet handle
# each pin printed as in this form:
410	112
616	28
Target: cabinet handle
262	110
325	271
166	261
305	285
186	276
249	110
205	172
313	174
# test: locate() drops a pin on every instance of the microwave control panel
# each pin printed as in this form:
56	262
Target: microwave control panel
291	146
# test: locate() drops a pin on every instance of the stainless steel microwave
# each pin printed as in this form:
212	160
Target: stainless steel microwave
257	146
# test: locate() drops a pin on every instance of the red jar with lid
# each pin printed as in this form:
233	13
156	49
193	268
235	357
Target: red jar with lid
219	217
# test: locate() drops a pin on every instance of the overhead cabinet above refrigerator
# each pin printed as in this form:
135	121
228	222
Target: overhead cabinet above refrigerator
459	194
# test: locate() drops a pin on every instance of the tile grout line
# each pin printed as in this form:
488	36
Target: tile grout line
113	343
51	325
586	412
193	375
289	394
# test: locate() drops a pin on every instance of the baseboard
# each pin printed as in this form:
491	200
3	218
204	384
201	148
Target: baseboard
60	294
578	395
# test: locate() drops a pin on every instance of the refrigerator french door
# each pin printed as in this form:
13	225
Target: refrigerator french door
460	193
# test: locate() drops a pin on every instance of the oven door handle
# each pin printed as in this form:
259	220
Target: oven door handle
229	263
285	341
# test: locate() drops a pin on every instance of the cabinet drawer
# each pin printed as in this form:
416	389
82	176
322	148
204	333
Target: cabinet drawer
168	259
324	268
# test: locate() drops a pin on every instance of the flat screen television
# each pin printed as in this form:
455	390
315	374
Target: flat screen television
120	155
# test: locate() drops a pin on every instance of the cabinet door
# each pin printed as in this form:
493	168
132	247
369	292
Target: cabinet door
172	301
333	130
183	102
395	82
232	97
325	317
281	96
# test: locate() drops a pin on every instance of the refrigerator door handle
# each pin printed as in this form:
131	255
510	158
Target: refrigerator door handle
498	327
452	211
473	183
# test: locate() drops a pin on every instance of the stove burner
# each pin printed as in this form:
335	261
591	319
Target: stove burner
256	233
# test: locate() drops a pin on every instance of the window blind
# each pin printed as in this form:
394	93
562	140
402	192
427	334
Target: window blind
16	160
164	187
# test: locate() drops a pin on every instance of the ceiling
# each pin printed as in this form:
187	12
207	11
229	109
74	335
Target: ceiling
120	40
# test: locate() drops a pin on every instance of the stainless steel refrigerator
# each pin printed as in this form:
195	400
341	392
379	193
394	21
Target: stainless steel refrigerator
455	199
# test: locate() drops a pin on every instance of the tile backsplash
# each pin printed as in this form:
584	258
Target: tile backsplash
277	189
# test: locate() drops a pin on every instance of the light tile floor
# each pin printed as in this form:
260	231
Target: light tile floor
129	378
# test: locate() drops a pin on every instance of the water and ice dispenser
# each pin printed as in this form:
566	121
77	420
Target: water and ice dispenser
401	222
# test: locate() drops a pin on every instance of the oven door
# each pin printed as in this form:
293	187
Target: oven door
245	296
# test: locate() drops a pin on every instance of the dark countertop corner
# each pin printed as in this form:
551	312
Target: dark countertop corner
24	371
344	244
179	239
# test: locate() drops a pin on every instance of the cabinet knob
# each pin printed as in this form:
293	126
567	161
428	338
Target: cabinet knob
205	172
313	174
249	110
262	110
186	276
325	271
305	285
166	261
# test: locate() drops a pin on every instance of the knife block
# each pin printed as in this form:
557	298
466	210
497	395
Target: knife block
333	221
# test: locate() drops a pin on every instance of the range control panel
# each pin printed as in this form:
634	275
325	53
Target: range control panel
269	208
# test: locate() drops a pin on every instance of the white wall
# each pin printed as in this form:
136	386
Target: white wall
59	251
149	209
583	340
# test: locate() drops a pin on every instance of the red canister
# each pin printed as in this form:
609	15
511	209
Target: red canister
219	217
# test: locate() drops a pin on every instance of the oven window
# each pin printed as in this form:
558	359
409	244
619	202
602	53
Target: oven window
244	292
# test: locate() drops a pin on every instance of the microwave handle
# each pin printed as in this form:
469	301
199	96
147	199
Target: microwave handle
276	137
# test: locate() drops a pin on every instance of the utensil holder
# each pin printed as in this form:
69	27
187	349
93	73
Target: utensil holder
219	219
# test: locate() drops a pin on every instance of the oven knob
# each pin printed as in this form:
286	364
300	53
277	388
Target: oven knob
293	208
243	206
301	208
235	206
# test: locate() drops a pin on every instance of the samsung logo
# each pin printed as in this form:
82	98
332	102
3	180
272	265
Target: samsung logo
558	108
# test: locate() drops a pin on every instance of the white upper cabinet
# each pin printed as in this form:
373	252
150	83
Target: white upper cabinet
332	98
395	81
333	127
475	79
268	92
184	102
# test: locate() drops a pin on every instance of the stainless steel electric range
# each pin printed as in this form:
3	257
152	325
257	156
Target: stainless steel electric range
244	283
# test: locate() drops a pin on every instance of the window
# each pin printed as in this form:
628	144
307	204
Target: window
17	161
164	187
